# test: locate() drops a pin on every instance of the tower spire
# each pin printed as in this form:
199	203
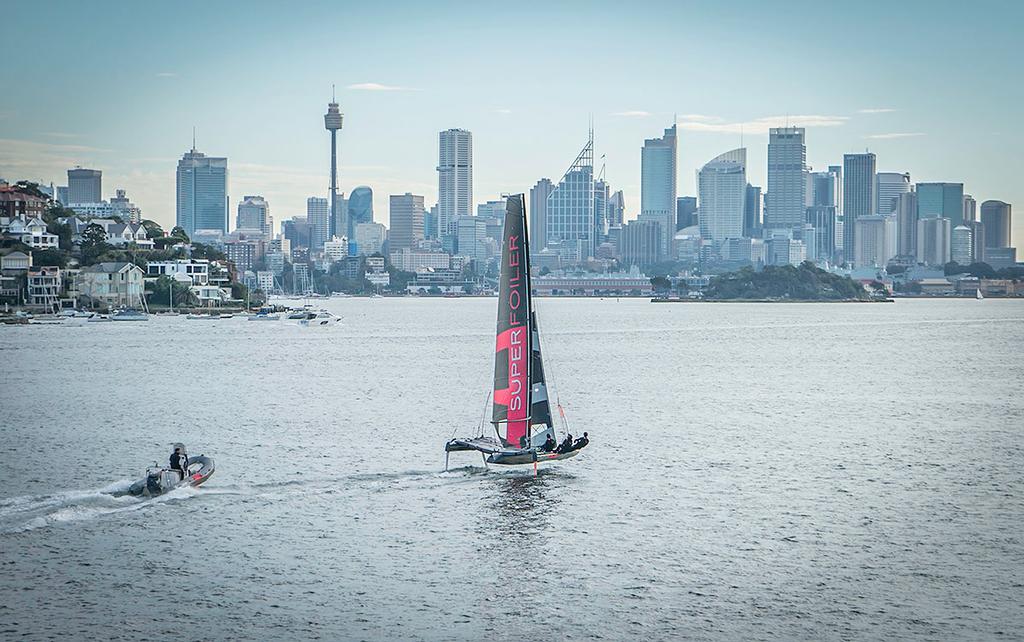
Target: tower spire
193	138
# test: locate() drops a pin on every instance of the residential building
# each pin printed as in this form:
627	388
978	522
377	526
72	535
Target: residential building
787	163
875	243
933	240
202	193
658	186
32	232
245	253
336	249
43	287
297	231
538	213
85	185
996	217
194	271
111	284
454	178
254	214
961	245
406	217
124	209
859	198
722	188
888	187
376	272
16	204
570	210
370	238
941	200
121	234
282	245
318	214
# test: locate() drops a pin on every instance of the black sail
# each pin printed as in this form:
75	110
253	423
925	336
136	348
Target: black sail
540	408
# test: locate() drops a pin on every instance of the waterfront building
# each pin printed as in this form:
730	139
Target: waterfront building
254	214
318	215
859	197
406	216
888	187
933	240
202	193
941	200
961	245
32	232
641	242
995	216
875	243
570	210
1001	257
85	185
193	271
411	260
686	211
658	186
722	188
454	178
370	238
787	163
112	284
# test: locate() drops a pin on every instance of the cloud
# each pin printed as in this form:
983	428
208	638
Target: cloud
758	125
167	74
632	114
699	118
60	135
376	86
896	135
502	111
876	110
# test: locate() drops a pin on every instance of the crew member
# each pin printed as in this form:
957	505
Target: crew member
581	442
179	462
549	444
566	445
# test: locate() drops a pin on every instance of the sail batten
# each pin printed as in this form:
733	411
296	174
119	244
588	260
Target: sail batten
515	337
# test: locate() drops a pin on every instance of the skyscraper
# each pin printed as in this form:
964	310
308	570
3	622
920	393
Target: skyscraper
752	211
658	185
933	240
722	190
539	213
332	123
858	197
995	216
360	206
906	225
888	187
253	214
641	242
824	220
406	218
787	162
318	213
970	209
570	211
962	246
454	178
941	200
202	193
875	241
85	185
616	209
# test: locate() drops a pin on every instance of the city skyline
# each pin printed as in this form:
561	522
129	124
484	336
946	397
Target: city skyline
277	148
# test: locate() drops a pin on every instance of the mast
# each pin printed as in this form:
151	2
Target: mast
514	334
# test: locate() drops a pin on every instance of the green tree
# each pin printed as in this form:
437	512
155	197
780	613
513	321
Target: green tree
57	257
94	243
153	229
203	251
179	235
661	284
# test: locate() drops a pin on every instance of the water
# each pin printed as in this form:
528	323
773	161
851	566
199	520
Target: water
755	472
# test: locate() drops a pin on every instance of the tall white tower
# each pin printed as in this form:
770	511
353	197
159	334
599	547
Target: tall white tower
332	122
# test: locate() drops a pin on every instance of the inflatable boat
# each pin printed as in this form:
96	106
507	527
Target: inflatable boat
161	480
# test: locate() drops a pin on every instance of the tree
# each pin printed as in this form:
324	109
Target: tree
661	283
58	258
94	243
544	271
153	229
434	290
203	251
179	235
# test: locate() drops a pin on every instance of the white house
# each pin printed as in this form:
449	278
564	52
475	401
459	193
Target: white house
16	261
128	233
44	287
112	284
32	232
196	271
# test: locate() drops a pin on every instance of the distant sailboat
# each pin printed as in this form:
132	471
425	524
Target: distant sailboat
978	295
521	413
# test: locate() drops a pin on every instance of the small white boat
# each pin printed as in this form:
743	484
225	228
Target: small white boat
200	317
978	295
319	319
129	314
225	316
98	318
265	314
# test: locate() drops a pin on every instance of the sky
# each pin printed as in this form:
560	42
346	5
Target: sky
932	88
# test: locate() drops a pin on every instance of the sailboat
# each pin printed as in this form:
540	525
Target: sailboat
521	411
978	295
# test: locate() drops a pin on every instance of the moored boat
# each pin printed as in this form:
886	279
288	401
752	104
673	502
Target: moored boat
129	314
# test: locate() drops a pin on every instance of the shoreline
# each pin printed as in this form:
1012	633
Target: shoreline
886	300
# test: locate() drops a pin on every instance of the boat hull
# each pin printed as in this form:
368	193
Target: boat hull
163	480
497	454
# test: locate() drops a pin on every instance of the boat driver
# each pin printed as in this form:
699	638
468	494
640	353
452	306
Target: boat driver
179	462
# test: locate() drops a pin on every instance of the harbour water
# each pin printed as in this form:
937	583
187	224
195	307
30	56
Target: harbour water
805	471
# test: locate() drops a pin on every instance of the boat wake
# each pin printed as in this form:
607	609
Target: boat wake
30	512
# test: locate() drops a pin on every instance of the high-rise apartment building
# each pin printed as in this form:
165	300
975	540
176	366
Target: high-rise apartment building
961	245
941	200
406	218
859	197
202	193
85	185
722	189
995	216
539	213
787	185
658	187
875	242
888	187
454	178
254	214
318	213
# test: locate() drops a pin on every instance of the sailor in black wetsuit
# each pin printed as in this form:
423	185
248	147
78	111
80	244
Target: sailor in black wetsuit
581	442
549	444
565	446
179	462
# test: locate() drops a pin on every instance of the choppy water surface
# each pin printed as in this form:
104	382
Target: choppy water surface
756	472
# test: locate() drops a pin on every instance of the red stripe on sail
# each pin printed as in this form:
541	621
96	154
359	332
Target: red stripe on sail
515	396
